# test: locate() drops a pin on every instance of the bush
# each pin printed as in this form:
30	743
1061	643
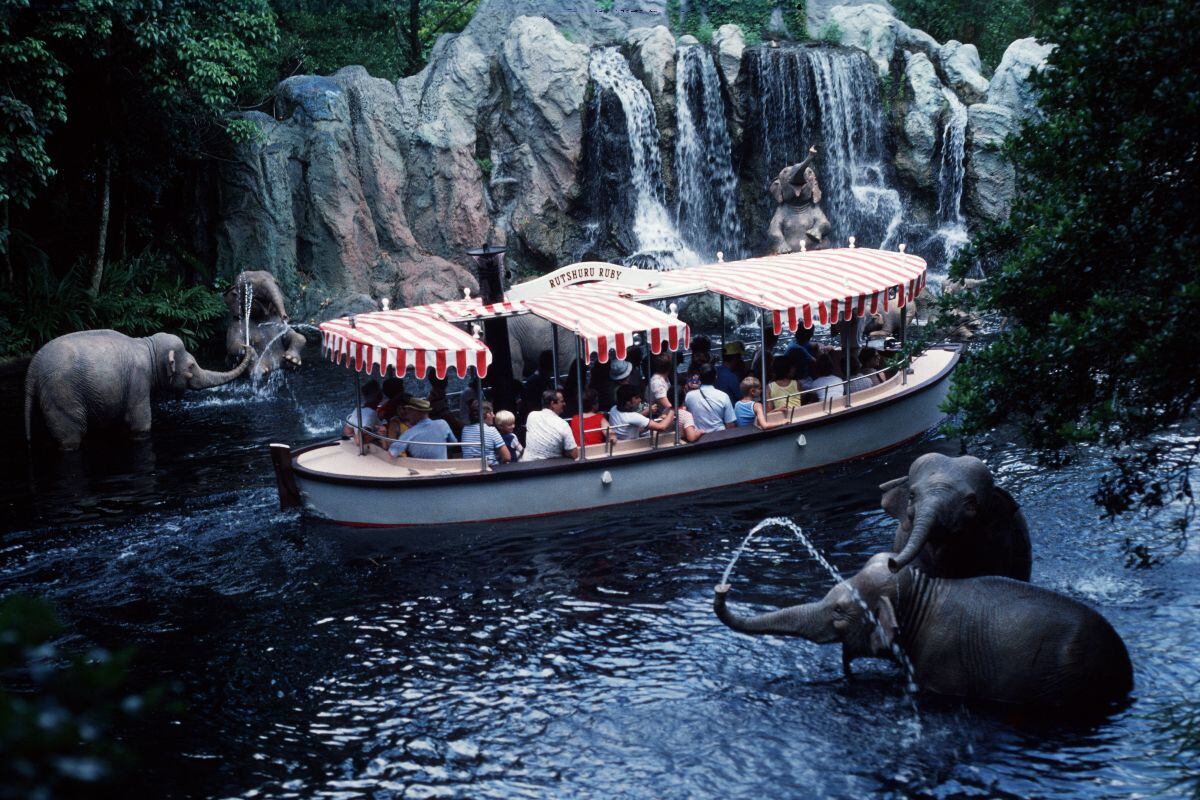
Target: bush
704	32
138	296
832	33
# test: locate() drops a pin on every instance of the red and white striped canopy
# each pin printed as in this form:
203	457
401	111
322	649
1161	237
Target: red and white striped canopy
604	319
400	339
821	285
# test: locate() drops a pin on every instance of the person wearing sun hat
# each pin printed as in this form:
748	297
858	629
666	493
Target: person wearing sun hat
425	437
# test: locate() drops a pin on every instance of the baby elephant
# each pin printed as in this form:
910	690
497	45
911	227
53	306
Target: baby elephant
988	639
103	379
955	522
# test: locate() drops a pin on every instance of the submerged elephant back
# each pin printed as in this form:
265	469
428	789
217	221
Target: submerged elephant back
1007	641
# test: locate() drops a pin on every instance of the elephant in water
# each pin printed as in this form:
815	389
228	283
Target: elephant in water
955	522
799	218
270	333
93	380
987	638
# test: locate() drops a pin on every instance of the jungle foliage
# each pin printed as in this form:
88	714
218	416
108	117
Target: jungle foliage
1095	271
59	709
111	113
701	18
991	25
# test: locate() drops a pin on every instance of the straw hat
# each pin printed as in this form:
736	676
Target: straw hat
418	404
619	369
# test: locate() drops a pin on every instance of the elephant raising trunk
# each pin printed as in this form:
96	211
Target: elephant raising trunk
805	620
207	379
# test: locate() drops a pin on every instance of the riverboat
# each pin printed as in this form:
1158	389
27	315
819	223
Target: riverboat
607	308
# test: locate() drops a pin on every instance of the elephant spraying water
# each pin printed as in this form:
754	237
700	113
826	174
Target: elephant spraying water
257	312
93	380
988	638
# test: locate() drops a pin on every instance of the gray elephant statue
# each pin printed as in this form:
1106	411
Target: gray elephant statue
955	522
270	335
95	380
529	335
987	639
799	219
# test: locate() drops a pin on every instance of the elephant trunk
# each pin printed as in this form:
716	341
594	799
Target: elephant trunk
207	379
275	298
922	525
807	620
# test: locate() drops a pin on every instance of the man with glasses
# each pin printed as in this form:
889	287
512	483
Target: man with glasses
547	434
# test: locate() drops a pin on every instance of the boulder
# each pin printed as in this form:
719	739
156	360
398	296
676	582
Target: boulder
816	12
922	110
990	180
871	28
583	21
652	59
915	40
536	132
730	43
687	39
964	74
1010	84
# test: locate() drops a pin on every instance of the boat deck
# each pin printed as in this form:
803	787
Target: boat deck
343	458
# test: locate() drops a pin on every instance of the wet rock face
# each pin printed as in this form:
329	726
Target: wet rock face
924	106
990	182
1010	84
870	28
960	63
361	185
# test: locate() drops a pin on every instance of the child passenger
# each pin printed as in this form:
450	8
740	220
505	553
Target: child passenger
748	410
506	424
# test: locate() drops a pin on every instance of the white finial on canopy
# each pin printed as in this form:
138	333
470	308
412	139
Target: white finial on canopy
674	309
851	242
466	293
803	246
902	247
385	303
720	257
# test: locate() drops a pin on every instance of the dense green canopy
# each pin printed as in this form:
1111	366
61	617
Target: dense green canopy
1096	271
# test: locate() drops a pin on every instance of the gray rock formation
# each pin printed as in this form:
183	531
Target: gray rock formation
817	12
583	21
1010	84
652	59
730	43
963	71
365	186
924	105
990	181
871	28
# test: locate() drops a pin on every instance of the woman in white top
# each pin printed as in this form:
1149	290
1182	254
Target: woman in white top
660	381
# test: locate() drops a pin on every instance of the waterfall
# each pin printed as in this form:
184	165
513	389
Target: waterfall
828	97
634	203
951	229
707	207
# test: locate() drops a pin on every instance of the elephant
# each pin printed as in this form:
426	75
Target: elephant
799	219
988	638
270	335
955	522
529	336
92	380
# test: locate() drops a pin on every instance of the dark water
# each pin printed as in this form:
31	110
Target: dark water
577	658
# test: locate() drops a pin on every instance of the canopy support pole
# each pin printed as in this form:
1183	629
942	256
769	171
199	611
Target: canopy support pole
903	323
762	354
362	439
722	323
554	353
675	391
579	354
847	336
479	408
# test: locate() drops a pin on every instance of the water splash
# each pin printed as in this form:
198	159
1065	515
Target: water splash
707	208
248	299
783	522
653	230
952	229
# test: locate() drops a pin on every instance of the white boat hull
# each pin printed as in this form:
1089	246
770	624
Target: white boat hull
718	460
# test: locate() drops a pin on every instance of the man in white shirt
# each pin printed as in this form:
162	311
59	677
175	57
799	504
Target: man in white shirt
628	423
547	434
709	405
371	397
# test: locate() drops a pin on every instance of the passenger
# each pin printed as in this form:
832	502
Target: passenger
596	429
688	432
371	398
731	370
710	406
497	450
601	381
393	398
862	378
701	355
547	434
662	368
425	437
749	410
637	378
506	424
827	382
439	408
783	392
803	352
871	365
628	422
769	340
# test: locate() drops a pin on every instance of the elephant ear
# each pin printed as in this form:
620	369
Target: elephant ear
886	628
777	190
895	497
171	363
810	178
